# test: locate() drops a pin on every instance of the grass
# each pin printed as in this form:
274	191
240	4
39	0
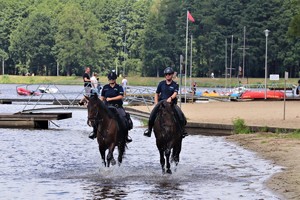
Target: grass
280	135
239	126
137	81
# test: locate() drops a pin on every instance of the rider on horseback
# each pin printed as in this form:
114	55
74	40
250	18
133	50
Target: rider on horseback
167	90
112	94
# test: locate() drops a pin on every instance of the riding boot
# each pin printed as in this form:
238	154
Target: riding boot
147	132
93	134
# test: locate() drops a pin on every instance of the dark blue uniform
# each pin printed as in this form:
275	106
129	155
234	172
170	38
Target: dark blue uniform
108	91
166	90
124	118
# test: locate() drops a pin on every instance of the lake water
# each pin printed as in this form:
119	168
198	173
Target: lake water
63	163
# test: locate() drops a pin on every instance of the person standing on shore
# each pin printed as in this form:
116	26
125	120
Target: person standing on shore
297	92
86	83
95	82
167	90
124	84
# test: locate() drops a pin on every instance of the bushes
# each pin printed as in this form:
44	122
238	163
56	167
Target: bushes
239	126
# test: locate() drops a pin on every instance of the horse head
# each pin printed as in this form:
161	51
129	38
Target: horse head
167	109
93	108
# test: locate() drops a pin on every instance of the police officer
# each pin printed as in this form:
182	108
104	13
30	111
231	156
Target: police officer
112	94
167	90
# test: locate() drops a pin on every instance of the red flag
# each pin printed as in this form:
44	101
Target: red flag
190	17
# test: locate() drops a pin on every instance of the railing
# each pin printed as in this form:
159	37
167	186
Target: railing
139	94
51	92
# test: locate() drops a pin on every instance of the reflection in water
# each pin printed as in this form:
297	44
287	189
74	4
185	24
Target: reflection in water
63	163
106	190
167	190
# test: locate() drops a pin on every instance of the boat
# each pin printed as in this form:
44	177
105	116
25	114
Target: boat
210	94
261	95
47	90
25	92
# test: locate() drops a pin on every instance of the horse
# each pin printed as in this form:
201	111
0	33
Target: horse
109	133
168	137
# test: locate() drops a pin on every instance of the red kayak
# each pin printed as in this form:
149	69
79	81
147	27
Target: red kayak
24	92
261	95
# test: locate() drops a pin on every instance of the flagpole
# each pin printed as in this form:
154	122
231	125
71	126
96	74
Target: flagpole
191	60
186	51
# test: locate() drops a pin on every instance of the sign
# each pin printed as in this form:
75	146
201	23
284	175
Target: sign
286	76
274	77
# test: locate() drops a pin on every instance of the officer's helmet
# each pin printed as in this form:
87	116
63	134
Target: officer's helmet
112	76
168	70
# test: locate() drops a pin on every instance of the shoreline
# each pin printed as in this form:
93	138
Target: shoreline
281	151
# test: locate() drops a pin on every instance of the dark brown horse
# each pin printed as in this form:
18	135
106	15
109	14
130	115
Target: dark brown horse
168	137
109	135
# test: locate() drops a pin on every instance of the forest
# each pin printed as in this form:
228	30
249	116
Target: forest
142	37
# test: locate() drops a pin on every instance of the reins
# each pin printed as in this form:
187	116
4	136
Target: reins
97	120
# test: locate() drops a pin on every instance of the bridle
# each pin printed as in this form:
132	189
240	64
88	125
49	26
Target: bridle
94	120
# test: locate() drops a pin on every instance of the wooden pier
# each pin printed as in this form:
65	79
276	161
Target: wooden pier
31	120
50	101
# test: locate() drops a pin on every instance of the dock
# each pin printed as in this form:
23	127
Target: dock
31	120
49	101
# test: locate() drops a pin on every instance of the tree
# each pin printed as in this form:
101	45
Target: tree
79	41
32	41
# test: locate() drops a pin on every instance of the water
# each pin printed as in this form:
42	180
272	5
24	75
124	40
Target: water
63	163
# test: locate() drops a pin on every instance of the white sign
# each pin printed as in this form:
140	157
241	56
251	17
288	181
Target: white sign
286	75
274	77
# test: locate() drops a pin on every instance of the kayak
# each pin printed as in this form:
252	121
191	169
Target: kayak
261	95
47	90
25	92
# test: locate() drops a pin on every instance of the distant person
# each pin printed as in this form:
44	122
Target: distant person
124	84
194	88
95	82
212	75
86	83
297	92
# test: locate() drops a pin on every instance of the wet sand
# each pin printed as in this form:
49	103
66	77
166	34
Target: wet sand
281	151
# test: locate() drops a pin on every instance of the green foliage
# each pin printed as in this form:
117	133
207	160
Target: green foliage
239	126
143	37
5	79
144	122
264	129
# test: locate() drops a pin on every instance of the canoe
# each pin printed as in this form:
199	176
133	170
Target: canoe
25	92
261	95
211	94
47	90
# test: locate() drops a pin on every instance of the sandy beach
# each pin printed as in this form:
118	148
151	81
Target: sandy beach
281	151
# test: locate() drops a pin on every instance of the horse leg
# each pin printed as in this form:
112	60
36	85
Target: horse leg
167	154
176	153
102	153
121	149
162	160
110	156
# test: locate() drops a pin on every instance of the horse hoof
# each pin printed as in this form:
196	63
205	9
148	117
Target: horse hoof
113	162
169	171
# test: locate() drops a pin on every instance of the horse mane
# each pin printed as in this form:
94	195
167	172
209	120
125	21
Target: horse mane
102	105
166	107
